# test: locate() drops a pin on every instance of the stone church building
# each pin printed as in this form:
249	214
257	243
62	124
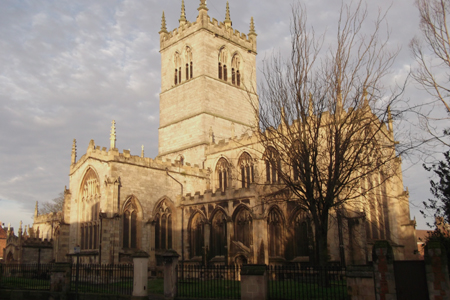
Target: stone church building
203	195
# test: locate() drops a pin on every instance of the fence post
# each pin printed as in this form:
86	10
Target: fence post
140	276
436	267
60	281
383	265
254	282
170	273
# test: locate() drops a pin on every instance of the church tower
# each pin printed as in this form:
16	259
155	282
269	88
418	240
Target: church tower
208	84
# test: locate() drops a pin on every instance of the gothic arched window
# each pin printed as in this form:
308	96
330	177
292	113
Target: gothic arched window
197	235
177	63
130	226
235	70
245	164
219	234
222	172
189	64
90	210
301	238
223	74
275	226
273	165
163	227
243	227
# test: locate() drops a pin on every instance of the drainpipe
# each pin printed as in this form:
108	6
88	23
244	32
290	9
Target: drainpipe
182	215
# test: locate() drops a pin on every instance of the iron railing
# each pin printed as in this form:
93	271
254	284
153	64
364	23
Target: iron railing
219	282
295	282
105	279
25	276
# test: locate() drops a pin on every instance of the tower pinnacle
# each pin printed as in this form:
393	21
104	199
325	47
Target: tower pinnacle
183	14
202	5
112	138
252	28
163	24
74	152
227	17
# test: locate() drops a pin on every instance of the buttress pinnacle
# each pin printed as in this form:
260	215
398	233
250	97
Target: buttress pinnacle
183	14
227	16
163	24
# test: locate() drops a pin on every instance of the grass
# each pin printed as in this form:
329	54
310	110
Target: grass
156	286
291	289
228	289
24	283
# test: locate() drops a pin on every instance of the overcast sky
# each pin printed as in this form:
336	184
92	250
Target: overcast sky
68	68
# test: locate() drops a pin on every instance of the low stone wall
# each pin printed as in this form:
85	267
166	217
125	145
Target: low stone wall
360	282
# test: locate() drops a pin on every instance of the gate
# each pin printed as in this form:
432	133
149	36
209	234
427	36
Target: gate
410	280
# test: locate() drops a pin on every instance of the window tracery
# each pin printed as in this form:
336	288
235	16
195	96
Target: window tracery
177	63
90	210
274	222
163	227
222	172
219	234
130	226
301	237
189	63
197	239
243	227
273	165
223	57
235	70
247	169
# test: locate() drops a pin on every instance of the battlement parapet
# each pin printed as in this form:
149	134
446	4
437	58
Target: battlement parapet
228	194
219	29
113	155
37	243
237	142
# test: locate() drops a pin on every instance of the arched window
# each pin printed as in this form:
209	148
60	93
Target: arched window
301	237
243	227
273	165
222	169
235	70
223	74
219	234
163	227
189	65
177	63
275	225
129	236
245	164
89	211
197	235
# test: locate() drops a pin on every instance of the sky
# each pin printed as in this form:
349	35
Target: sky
68	68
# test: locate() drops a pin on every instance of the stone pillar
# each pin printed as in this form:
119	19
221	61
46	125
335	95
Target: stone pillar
360	283
254	282
170	273
60	281
383	265
140	278
437	271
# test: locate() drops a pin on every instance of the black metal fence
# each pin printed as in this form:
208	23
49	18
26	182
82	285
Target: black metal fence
295	282
219	282
25	276
106	279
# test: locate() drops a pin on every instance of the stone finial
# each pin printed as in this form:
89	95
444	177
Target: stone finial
112	138
228	22
202	6
74	152
252	28
391	126
163	24
36	210
183	14
8	233
142	151
20	229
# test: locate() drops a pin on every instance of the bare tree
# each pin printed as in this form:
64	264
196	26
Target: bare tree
432	54
436	53
54	206
325	122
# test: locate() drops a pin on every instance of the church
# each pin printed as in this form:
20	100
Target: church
204	194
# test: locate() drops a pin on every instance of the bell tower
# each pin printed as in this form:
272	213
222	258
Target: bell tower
208	84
